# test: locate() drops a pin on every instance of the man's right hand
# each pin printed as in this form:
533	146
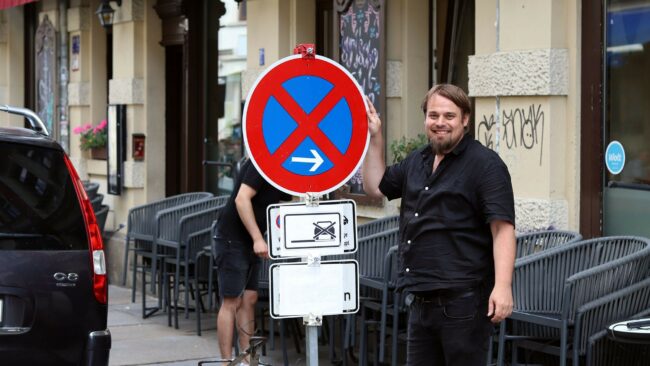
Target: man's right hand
374	123
374	163
260	248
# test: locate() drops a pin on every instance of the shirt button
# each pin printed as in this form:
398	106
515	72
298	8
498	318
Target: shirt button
416	214
408	270
426	188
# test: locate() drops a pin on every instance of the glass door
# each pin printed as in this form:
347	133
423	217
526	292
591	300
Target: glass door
226	60
626	188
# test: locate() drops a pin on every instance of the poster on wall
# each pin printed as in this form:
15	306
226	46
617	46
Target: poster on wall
46	87
360	26
75	53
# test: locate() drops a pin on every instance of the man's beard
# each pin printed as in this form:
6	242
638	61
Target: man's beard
442	147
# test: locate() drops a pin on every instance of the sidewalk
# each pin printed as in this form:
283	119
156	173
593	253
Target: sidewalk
150	341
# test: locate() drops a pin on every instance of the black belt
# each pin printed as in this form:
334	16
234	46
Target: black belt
441	297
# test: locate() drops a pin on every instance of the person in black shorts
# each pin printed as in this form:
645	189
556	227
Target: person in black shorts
238	247
457	237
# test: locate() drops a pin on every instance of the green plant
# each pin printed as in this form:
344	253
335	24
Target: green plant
400	148
92	137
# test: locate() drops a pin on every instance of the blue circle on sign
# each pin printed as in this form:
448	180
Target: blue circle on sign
278	125
615	157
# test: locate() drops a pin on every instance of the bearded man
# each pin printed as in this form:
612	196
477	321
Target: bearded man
457	238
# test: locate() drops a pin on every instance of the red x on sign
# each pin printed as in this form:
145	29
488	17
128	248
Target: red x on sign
305	125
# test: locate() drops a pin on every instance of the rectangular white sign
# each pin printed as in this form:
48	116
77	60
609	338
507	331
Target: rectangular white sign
298	289
298	230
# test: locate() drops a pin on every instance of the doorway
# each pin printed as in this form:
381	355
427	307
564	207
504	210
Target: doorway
626	183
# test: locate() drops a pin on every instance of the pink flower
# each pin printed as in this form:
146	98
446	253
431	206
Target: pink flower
92	136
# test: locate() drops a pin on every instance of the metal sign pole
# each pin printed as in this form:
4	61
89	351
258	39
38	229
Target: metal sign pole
312	322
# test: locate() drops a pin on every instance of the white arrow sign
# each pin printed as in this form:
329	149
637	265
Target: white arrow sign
316	160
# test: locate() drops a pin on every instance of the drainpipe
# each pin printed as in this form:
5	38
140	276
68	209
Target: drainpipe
64	135
498	99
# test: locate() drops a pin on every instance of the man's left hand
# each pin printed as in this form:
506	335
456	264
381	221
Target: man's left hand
500	303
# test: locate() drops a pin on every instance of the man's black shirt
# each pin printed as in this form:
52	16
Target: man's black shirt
445	237
229	224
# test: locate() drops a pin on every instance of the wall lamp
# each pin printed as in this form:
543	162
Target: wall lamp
105	12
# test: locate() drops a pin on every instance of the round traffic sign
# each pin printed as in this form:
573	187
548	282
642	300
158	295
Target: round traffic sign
305	125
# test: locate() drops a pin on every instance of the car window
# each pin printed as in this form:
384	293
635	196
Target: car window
39	209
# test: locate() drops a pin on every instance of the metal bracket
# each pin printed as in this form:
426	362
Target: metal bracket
312	199
313	320
313	261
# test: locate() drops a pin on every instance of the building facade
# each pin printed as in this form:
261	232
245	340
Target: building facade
553	84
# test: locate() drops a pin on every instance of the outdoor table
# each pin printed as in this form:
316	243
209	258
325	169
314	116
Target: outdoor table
630	331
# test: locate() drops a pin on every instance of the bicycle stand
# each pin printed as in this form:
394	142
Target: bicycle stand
254	351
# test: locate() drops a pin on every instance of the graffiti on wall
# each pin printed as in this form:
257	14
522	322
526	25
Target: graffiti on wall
520	128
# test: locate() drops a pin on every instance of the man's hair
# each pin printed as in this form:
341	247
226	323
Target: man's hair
451	92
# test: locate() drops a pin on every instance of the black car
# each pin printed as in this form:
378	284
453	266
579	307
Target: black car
53	283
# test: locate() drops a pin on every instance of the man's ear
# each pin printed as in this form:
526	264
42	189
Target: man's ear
466	122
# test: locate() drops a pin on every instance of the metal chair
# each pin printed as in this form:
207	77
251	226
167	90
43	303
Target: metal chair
141	225
377	226
550	286
145	231
97	202
377	279
263	304
603	351
191	235
167	231
593	318
538	241
204	272
365	232
91	188
166	241
101	216
532	243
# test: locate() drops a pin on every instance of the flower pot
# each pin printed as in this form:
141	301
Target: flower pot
99	153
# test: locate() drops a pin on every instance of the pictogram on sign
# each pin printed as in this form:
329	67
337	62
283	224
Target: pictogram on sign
305	125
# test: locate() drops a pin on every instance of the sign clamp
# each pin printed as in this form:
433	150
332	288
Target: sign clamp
312	199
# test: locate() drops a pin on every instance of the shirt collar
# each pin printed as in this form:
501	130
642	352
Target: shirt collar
462	145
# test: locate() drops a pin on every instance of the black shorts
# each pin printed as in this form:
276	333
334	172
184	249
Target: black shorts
237	266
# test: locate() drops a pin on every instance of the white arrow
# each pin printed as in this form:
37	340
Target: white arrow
316	160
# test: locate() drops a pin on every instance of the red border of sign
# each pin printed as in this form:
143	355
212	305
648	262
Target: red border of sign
270	167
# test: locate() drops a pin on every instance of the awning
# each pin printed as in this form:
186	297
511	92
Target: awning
4	4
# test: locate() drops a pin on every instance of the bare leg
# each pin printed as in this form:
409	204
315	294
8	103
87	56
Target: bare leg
226	324
246	318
